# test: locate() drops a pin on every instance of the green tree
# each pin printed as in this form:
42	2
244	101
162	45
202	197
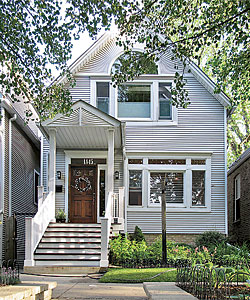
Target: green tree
36	35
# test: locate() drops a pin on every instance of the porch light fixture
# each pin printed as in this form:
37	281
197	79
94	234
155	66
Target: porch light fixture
59	174
117	175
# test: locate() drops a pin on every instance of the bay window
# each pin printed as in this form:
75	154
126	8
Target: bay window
134	101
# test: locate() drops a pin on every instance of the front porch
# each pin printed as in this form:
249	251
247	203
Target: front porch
88	188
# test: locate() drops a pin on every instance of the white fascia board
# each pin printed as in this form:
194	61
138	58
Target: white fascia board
83	58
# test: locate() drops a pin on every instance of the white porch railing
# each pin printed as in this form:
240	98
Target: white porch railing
35	227
105	231
114	213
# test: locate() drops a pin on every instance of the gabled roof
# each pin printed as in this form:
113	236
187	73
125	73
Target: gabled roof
107	37
82	114
239	161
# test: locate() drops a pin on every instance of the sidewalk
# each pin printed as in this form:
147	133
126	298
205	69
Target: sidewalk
80	288
166	291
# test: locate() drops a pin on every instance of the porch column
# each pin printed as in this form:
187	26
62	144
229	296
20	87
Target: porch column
111	151
52	164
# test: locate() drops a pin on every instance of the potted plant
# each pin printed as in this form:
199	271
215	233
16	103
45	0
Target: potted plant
60	216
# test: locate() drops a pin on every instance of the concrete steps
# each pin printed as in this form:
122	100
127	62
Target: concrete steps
72	245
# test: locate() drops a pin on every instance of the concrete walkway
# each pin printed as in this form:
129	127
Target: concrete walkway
80	288
87	287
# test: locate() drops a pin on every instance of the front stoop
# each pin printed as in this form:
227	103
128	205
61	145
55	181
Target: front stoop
30	290
165	291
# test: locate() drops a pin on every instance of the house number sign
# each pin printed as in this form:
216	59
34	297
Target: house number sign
88	161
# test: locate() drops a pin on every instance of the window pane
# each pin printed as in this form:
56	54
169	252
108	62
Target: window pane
135	187
198	188
237	187
165	101
134	101
135	161
167	161
174	187
102	93
198	162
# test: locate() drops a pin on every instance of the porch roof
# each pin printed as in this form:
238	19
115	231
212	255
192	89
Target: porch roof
86	127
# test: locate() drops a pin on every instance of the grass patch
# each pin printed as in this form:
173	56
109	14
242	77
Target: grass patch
139	275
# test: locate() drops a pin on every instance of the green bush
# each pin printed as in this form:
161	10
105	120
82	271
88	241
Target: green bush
210	240
137	236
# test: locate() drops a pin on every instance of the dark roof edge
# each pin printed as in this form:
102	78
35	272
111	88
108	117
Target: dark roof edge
239	161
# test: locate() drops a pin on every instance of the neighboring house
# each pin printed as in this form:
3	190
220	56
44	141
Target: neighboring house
112	153
238	189
19	177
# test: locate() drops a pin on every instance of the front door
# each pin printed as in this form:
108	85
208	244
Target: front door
82	194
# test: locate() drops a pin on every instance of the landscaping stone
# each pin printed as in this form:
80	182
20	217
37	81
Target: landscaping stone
166	291
29	290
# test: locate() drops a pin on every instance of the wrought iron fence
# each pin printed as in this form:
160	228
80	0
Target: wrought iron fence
9	273
214	283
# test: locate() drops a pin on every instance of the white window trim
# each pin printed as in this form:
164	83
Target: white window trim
186	169
93	95
34	191
154	118
236	180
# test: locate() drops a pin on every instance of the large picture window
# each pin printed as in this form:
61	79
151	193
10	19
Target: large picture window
135	187
134	101
174	187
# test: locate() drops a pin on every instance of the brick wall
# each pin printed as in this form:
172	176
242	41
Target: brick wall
239	231
179	238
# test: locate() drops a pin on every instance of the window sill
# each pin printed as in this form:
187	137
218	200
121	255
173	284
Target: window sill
236	222
150	122
176	209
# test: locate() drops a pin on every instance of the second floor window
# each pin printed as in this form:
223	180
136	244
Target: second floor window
102	96
237	198
134	101
165	107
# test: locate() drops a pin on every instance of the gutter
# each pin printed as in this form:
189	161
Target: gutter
10	162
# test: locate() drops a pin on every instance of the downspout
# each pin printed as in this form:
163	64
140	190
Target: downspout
10	162
123	127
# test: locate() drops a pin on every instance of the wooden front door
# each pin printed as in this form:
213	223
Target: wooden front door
82	194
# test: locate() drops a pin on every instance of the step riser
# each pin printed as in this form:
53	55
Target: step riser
69	225
72	229
72	234
68	263
59	257
70	240
68	251
71	246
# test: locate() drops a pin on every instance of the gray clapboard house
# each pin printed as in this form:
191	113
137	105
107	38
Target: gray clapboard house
19	176
103	164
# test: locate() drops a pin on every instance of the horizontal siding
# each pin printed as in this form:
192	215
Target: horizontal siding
60	166
200	128
45	164
81	90
118	167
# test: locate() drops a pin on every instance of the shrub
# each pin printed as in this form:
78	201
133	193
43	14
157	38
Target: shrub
210	239
138	235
